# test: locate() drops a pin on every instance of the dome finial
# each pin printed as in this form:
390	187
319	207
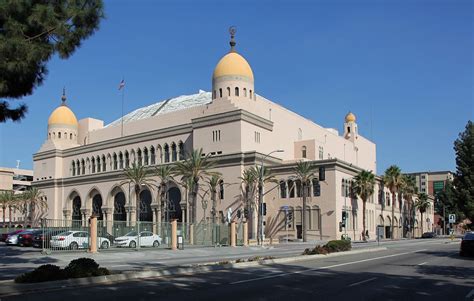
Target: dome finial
232	43
63	97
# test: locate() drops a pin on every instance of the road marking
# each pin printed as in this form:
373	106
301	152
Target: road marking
471	294
423	263
326	267
364	281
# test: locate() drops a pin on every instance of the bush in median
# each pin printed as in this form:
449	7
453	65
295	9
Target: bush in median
330	247
46	272
84	267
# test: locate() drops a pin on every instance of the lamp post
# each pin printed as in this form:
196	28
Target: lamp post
260	195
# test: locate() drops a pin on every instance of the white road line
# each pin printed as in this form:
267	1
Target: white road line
471	294
364	281
326	267
423	263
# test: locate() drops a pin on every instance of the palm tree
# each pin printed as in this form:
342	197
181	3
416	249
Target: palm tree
137	177
264	176
393	181
7	200
304	171
165	175
364	183
213	183
409	190
196	167
422	204
249	180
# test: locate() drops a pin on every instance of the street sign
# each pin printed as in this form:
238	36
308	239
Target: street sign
452	218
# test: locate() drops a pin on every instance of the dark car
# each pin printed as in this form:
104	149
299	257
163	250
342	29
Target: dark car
5	235
467	245
428	235
25	238
44	237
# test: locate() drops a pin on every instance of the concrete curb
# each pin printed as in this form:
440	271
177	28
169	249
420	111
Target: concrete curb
10	288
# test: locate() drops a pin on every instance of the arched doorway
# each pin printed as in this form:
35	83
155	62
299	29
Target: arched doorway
119	207
174	208
146	215
76	212
97	206
388	227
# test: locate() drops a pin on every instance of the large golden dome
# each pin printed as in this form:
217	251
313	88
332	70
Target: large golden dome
350	117
62	116
233	64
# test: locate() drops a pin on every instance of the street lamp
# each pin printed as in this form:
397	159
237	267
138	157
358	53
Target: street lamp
260	194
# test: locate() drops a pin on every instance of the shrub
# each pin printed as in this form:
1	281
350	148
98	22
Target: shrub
338	245
240	260
224	262
47	272
255	258
317	250
268	257
83	267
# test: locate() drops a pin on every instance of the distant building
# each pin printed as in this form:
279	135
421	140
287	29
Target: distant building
16	180
432	182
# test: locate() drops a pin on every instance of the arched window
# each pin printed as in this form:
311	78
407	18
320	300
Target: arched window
115	161
49	135
291	188
167	153
221	189
250	93
236	91
298	188
220	93
159	151
73	168
145	156
65	135
83	167
78	167
98	164
152	156
70	136
282	189
174	152
59	135
121	160
127	159
245	92
316	188
104	164
181	151
139	156
228	91
303	152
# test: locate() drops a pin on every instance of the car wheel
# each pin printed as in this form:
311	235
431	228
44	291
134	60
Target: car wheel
156	244
132	244
73	246
104	245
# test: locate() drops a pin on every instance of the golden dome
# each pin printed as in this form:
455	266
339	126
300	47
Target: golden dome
350	117
233	64
62	115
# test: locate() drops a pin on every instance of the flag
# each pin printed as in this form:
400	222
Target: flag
122	84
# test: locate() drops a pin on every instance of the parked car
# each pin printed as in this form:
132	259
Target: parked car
467	245
25	238
44	237
13	238
429	235
5	235
147	239
76	240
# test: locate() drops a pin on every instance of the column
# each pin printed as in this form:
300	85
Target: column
174	235
232	234
108	219
93	234
246	235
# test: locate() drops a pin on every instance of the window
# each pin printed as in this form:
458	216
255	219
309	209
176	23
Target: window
115	161
174	152
216	135
228	91
65	135
167	153
250	93
70	136
104	163
348	129
321	153
303	152
291	189
152	156
139	155
120	160
257	137
315	216
220	93
221	189
181	150
422	183
59	135
98	164
282	189
49	135
316	188
245	92
298	188
73	168
387	198
145	156
236	91
83	165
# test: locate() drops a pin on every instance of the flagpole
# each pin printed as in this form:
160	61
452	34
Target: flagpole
123	97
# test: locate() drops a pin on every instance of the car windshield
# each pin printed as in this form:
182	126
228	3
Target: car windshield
133	233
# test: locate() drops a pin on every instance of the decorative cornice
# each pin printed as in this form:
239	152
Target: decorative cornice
232	116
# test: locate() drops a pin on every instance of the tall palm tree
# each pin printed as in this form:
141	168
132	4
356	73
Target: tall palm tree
249	181
196	167
364	183
264	176
137	176
165	175
422	204
304	171
213	183
409	190
7	201
393	181
38	205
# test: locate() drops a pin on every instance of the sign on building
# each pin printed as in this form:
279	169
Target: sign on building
452	218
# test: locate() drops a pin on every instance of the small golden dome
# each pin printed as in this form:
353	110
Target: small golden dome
62	116
233	64
350	117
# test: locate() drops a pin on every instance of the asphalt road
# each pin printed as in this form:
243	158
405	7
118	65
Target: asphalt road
420	270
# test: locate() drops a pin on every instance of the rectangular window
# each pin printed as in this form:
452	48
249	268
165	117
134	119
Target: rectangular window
321	153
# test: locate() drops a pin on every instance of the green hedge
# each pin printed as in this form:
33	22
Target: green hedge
331	247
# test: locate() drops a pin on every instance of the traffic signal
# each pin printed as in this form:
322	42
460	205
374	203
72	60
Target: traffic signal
344	218
317	190
289	217
264	209
246	212
322	174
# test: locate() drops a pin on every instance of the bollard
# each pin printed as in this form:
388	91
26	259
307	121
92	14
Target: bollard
232	234
93	234
191	234
246	234
174	235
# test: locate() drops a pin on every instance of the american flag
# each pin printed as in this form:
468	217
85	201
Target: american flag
122	84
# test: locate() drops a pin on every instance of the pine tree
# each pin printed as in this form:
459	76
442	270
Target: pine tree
31	32
464	177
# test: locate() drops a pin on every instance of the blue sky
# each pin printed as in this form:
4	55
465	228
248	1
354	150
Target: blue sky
405	68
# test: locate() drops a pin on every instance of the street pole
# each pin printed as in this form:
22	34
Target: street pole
444	219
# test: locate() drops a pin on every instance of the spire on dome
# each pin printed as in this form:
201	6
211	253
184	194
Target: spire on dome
63	97
232	43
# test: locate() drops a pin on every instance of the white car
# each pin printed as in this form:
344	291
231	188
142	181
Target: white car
76	240
147	239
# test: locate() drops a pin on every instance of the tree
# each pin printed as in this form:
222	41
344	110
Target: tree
304	171
264	176
422	204
165	175
409	190
249	180
364	183
464	176
195	168
7	201
31	33
138	178
33	205
393	181
213	183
